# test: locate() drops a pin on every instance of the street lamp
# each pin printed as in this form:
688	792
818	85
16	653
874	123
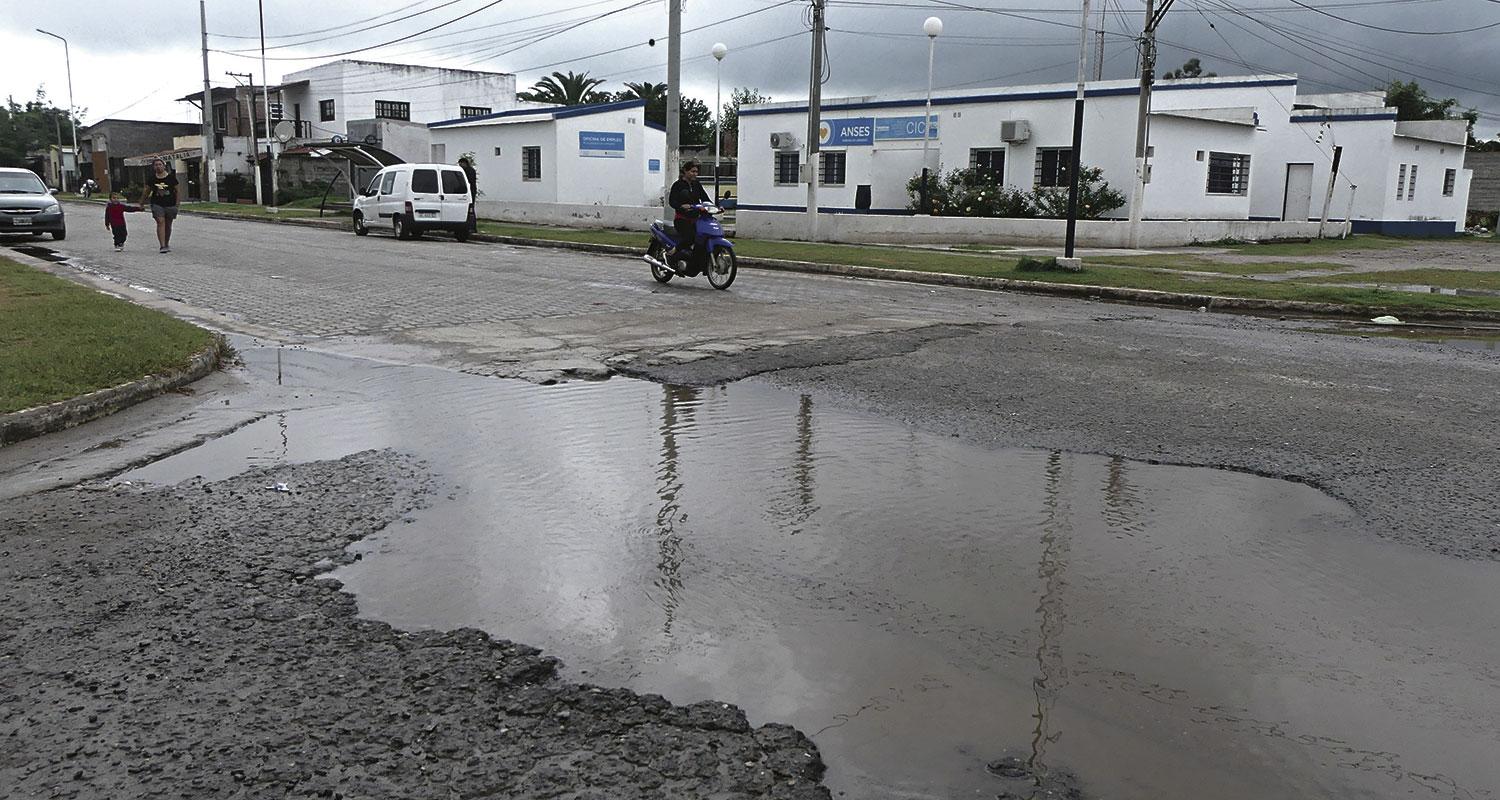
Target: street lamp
932	27
719	50
68	60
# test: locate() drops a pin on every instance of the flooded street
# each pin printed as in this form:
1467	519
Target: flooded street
919	605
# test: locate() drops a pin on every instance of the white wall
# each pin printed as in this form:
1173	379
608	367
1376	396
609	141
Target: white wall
1431	159
568	177
888	228
635	218
1179	179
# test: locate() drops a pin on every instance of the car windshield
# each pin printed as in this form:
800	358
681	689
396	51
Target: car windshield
21	184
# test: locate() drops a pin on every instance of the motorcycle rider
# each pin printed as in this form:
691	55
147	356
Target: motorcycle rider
686	193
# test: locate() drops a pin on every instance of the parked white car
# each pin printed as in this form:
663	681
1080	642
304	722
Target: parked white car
415	198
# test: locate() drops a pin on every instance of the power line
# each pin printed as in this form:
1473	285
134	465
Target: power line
323	30
1301	4
462	16
351	33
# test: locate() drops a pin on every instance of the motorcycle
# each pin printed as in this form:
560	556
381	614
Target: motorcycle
712	253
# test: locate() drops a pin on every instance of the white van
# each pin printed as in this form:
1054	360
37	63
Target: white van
414	198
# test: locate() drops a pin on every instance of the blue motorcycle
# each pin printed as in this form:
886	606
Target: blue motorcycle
712	254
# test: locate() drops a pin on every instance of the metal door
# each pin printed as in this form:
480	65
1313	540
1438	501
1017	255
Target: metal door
1297	206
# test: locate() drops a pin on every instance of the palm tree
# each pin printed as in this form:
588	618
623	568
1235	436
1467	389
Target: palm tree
655	95
570	89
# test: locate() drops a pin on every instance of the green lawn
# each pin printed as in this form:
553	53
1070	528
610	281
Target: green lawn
1445	278
1202	264
59	339
292	210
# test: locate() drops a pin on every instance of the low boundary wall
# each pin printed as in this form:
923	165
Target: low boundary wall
573	216
870	228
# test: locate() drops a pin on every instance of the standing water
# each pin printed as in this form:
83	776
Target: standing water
921	606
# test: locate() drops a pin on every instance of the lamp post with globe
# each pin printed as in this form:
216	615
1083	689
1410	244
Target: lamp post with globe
932	27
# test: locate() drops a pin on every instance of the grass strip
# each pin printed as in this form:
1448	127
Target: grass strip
1444	278
60	340
1201	264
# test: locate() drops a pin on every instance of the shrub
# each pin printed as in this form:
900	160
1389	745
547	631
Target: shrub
1095	197
233	186
976	193
1049	264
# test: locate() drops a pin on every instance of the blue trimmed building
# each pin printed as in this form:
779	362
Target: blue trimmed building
1223	148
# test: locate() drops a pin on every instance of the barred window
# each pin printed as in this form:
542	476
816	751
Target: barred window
531	163
1411	183
473	111
325	110
1054	166
1401	183
392	109
989	162
831	168
786	169
1228	173
1450	177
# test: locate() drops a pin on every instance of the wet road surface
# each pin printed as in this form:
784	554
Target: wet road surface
919	605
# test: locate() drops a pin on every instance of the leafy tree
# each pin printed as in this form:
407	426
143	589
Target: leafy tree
696	121
1190	69
30	127
742	96
565	89
1412	102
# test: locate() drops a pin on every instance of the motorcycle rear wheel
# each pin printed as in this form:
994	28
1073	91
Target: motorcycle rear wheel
658	252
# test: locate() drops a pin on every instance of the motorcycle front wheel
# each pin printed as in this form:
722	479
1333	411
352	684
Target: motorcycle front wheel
721	268
657	251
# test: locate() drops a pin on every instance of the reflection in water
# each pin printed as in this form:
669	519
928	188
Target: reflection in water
1051	671
678	403
796	507
1121	506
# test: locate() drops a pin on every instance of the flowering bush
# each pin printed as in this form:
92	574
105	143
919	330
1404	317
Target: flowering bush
977	193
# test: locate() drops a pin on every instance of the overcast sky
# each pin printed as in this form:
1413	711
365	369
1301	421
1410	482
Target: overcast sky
130	58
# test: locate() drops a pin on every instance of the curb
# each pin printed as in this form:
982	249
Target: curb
1153	297
32	422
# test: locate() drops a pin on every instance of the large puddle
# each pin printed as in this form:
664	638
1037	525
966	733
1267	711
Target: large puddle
919	605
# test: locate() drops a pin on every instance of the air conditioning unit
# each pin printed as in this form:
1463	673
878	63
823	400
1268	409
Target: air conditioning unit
783	141
1016	130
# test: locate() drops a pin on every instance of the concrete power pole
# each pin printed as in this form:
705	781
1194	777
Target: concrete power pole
265	90
674	102
1333	174
209	180
1076	157
1148	67
260	194
814	118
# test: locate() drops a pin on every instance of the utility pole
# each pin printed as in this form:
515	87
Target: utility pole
210	178
674	101
265	90
260	194
1333	174
1099	45
1076	155
814	118
72	120
1148	67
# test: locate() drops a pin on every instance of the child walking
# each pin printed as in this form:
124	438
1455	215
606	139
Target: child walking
114	218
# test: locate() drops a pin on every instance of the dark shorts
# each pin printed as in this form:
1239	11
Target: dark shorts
163	212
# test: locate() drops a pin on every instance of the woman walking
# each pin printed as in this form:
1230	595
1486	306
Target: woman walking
161	198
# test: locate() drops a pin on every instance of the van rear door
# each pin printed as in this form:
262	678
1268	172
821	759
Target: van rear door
426	195
455	196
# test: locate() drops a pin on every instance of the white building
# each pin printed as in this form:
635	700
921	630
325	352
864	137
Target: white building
323	99
1224	148
599	163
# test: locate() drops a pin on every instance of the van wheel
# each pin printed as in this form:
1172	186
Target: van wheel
359	224
461	234
400	227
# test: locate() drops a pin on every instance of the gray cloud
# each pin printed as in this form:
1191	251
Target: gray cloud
875	45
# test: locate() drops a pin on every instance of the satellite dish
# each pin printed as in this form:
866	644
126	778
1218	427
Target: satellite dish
284	131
